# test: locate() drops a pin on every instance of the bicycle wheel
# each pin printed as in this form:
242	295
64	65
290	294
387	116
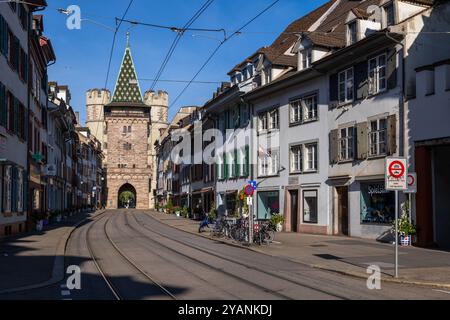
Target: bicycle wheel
269	236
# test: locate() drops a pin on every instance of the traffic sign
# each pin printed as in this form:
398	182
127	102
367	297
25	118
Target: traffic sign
249	190
412	183
396	175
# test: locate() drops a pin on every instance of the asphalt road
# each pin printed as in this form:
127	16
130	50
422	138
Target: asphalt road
126	254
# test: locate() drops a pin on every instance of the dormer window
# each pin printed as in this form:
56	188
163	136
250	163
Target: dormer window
389	14
352	28
306	58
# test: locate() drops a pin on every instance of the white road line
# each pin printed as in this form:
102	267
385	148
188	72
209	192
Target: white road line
65	293
442	291
64	286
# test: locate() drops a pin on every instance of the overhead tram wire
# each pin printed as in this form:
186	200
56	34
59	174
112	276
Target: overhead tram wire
237	32
177	39
110	57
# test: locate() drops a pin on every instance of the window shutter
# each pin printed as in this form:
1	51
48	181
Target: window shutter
362	141
334	156
3	106
25	190
391	69
16	56
334	99
16	116
361	80
392	134
225	166
14	189
2	35
247	161
236	164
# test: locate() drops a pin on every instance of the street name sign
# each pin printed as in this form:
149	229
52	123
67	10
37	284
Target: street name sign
396	174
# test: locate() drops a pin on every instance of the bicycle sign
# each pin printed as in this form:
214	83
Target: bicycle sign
396	175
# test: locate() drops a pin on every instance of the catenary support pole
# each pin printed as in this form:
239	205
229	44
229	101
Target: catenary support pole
396	234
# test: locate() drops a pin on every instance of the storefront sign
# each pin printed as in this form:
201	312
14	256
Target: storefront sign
396	175
412	183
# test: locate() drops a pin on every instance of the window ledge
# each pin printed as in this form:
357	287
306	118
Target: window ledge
269	176
345	161
377	157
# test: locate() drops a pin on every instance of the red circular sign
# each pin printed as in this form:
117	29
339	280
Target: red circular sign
249	191
396	169
411	180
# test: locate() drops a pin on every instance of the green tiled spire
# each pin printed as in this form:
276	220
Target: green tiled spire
127	86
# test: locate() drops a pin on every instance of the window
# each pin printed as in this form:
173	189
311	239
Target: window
346	143
389	14
20	191
268	204
377	204
244	116
310	206
127	129
346	86
220	168
127	146
352	32
377	137
311	157
268	163
377	74
231	164
274	123
304	109
7	190
306	58
296	159
263	125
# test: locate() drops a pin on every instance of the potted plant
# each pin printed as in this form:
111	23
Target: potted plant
177	211
157	206
185	212
169	207
212	215
276	222
406	228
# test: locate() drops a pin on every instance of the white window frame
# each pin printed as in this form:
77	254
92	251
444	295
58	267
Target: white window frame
346	144
243	160
377	75
306	58
386	17
295	107
348	83
269	165
350	34
313	108
308	155
296	156
220	163
274	119
375	138
263	122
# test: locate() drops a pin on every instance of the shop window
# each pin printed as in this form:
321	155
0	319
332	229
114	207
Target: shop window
268	204
310	206
377	204
231	204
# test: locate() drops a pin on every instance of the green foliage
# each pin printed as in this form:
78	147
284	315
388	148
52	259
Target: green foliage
405	227
212	215
276	219
185	212
169	206
126	196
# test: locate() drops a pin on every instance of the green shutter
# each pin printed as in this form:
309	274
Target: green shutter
16	116
225	163
236	164
25	191
247	161
14	189
3	106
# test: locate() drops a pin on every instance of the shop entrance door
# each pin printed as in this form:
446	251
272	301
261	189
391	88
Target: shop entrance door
342	193
294	210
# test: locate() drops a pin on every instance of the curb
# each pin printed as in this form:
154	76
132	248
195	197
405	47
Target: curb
58	273
342	272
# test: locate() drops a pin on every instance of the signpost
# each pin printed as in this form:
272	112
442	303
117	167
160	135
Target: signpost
250	190
396	180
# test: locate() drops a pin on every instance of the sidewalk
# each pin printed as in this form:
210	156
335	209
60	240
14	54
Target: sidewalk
36	258
349	256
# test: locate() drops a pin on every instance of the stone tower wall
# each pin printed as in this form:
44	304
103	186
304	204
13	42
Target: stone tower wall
96	99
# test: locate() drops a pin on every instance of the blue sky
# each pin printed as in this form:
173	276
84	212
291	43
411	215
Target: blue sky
82	55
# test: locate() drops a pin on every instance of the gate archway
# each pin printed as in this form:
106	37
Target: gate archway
127	196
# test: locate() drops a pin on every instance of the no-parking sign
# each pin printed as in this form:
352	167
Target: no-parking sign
396	174
412	183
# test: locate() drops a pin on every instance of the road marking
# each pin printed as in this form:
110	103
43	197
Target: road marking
65	293
442	291
64	286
